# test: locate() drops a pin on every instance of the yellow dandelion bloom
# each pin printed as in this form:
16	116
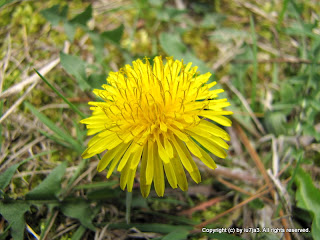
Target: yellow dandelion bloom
157	115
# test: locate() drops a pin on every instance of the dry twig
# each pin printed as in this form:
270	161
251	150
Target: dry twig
33	79
202	206
255	196
17	103
254	155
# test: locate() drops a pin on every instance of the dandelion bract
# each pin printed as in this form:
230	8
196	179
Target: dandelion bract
157	116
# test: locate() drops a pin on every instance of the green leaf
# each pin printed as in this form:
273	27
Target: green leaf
14	214
287	92
76	174
212	20
5	177
168	14
75	67
83	17
5	2
50	187
304	29
310	130
79	233
114	35
98	43
102	194
70	30
298	156
54	15
275	122
156	3
256	204
96	80
172	45
307	196
80	210
96	185
179	234
58	131
202	66
316	50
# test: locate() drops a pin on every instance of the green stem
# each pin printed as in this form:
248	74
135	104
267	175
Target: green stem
128	206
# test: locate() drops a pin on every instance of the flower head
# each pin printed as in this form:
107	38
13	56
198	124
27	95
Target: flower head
157	115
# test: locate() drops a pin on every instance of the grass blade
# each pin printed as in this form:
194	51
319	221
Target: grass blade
58	131
255	64
284	8
73	107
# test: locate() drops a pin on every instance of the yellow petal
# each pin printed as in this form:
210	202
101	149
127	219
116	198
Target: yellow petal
86	155
136	158
93	131
180	174
117	159
207	160
130	179
158	176
214	130
170	173
125	157
182	155
150	163
107	158
144	187
161	151
124	174
212	84
179	134
95	120
168	147
163	127
199	131
217	106
219	142
106	143
195	175
219	119
210	146
193	147
188	118
187	160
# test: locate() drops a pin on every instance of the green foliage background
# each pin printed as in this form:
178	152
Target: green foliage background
266	54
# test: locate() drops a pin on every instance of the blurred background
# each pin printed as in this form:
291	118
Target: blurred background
265	54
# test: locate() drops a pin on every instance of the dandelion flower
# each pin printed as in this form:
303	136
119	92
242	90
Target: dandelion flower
157	115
